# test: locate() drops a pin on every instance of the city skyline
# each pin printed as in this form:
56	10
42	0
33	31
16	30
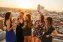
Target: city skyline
51	5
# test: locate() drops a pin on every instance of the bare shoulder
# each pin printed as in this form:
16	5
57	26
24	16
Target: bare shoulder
8	21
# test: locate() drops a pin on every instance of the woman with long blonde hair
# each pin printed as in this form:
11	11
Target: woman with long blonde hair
19	30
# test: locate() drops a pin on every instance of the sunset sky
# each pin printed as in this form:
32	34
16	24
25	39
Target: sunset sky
51	5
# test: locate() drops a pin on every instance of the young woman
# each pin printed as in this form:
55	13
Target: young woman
10	35
50	31
19	30
39	29
27	29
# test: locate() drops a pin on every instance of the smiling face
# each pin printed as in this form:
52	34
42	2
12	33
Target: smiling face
21	15
26	18
10	16
40	18
46	22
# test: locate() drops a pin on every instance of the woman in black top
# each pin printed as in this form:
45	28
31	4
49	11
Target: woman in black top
50	31
19	30
27	29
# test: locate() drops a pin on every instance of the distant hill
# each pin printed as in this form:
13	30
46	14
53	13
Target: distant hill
18	9
14	9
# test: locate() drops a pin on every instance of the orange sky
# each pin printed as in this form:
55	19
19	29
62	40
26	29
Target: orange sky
51	5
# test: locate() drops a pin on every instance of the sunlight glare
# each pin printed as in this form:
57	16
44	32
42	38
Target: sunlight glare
26	4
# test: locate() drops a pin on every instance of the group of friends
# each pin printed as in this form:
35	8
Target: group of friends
43	29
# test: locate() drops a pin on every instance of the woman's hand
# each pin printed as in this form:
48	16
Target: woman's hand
54	33
15	25
36	26
8	25
23	27
47	36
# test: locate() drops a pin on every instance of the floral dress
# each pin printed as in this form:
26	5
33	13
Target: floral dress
38	32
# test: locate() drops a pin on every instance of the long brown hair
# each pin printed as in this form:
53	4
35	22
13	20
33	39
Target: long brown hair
7	15
50	22
42	18
29	20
